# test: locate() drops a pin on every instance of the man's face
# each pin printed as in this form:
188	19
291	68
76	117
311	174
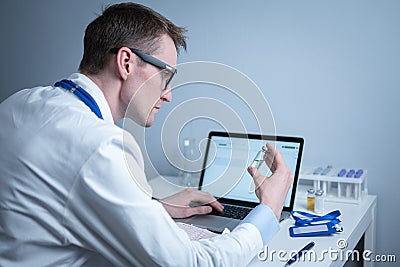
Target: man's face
145	91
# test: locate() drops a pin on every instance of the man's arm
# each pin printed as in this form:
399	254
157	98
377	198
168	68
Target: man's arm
109	213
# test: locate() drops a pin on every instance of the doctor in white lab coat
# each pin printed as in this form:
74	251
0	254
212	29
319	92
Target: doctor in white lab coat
72	187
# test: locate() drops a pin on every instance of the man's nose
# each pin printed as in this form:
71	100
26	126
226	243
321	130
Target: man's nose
167	95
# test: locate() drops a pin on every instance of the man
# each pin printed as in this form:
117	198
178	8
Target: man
67	195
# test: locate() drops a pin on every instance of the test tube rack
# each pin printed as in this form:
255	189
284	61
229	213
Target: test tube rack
336	189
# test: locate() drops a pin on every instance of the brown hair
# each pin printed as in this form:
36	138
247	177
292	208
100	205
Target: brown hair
126	24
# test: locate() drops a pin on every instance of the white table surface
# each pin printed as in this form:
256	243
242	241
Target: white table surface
357	219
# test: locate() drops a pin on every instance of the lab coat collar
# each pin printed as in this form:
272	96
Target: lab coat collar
87	84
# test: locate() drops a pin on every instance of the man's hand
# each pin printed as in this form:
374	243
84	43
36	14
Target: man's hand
178	205
272	191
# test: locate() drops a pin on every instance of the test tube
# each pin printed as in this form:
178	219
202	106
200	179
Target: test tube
349	186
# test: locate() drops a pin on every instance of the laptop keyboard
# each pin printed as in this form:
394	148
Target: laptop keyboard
234	212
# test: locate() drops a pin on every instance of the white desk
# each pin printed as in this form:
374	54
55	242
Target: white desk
357	220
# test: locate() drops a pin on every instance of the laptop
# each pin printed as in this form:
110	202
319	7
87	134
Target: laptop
225	176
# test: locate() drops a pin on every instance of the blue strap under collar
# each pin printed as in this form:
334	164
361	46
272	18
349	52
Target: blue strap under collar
84	96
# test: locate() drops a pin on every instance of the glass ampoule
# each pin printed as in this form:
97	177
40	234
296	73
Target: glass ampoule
257	162
319	201
259	158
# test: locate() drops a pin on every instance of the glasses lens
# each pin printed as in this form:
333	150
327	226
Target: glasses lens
169	76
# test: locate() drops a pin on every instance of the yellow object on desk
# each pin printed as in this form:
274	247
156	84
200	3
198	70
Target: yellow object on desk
310	199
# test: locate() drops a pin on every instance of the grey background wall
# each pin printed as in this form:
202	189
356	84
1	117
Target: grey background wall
329	69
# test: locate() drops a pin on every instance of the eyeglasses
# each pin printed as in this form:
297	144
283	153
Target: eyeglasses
153	61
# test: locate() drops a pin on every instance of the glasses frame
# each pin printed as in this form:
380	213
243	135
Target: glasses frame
153	61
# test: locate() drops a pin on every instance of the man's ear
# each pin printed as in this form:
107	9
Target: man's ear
124	62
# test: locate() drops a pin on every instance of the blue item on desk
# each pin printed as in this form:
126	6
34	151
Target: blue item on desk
307	224
300	253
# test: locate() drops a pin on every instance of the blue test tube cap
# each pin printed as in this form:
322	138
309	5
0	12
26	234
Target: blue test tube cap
350	173
359	173
342	173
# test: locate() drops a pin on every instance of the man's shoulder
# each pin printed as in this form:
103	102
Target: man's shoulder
55	120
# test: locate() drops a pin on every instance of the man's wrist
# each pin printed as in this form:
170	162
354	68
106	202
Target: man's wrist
277	212
265	220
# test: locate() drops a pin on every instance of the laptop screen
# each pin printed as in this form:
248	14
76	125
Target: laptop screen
227	157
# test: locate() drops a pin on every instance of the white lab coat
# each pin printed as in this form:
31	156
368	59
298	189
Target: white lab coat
67	197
